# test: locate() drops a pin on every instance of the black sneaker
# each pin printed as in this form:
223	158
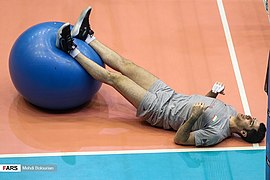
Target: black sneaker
64	40
82	27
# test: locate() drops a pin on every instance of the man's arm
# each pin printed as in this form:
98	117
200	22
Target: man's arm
211	94
184	136
218	88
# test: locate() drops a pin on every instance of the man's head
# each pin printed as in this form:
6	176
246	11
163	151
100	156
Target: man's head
249	128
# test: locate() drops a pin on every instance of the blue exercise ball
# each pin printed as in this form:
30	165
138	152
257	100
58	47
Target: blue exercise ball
45	75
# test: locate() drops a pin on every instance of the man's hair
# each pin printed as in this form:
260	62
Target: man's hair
254	136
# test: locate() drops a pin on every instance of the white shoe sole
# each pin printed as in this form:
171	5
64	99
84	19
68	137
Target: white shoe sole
76	29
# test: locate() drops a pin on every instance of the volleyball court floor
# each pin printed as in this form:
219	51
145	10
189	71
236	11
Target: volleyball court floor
189	44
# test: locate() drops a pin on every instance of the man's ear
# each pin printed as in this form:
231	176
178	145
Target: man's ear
244	133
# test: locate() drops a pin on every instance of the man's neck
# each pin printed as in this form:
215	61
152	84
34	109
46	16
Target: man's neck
233	126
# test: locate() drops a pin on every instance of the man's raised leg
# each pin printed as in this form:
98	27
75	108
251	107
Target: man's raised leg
139	75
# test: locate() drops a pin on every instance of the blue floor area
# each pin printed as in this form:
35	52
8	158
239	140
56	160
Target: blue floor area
214	165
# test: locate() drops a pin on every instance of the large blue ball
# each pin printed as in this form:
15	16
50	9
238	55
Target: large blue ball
48	77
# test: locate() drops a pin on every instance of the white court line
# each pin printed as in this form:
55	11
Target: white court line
233	57
210	149
234	60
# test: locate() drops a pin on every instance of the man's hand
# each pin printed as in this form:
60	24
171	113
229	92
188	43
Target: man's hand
218	88
198	109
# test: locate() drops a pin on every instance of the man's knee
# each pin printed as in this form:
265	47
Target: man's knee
114	78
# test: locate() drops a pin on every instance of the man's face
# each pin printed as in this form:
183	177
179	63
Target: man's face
247	122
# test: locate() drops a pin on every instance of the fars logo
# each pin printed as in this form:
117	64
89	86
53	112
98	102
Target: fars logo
10	168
